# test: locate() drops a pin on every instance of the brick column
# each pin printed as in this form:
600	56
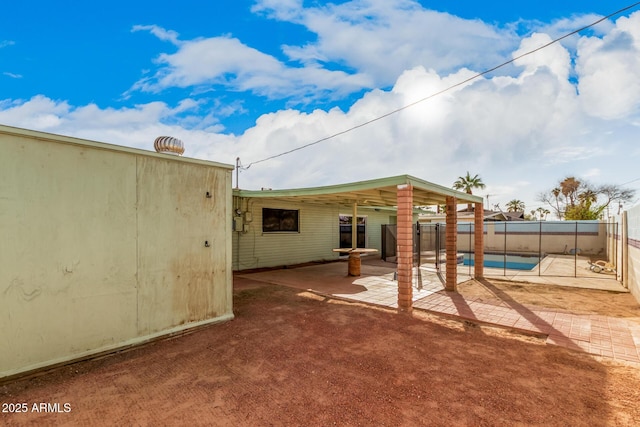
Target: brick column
451	245
405	247
478	246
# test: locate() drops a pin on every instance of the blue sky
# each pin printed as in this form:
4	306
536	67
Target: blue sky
252	79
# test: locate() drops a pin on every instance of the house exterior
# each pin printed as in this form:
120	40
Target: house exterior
105	247
319	229
322	222
284	227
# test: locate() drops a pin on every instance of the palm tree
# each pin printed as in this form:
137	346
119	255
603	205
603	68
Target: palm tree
515	206
543	213
588	197
569	188
467	183
556	193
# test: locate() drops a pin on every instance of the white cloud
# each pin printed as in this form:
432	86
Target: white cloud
568	154
134	127
159	32
39	113
278	9
5	43
377	40
554	57
609	83
228	62
12	75
592	173
565	25
382	38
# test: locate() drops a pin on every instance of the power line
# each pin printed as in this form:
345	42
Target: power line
629	182
368	122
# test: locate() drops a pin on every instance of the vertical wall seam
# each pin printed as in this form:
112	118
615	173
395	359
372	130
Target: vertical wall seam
137	248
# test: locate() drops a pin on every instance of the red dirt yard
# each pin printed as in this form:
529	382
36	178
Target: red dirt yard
293	358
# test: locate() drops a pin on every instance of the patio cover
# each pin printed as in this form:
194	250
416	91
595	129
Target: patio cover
403	192
376	192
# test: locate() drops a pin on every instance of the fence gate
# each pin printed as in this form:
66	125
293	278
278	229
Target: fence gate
389	243
428	245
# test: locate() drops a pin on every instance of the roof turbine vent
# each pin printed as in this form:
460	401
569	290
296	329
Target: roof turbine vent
169	145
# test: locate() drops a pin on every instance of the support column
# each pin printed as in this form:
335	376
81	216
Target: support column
478	247
354	226
451	245
405	247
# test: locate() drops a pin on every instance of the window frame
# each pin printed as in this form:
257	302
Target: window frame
362	220
278	218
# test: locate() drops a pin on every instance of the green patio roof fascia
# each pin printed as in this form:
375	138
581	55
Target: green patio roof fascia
394	181
431	187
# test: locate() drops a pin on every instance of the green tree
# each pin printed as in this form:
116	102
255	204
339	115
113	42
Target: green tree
576	199
515	206
467	184
580	211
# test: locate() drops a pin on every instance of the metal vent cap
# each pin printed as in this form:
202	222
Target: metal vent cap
169	145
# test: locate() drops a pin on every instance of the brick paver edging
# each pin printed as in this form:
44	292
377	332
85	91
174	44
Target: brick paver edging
599	335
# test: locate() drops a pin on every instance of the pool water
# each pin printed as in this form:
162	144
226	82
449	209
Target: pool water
513	262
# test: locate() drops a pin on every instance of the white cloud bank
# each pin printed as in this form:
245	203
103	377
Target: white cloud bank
521	132
382	39
228	62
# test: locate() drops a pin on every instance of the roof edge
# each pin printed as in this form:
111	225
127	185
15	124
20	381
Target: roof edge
360	185
51	137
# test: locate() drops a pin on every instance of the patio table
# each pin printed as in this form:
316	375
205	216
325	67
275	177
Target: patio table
354	258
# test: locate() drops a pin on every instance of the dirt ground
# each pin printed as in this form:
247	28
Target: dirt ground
575	300
293	358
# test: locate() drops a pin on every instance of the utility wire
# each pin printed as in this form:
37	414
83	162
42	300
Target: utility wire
629	182
368	122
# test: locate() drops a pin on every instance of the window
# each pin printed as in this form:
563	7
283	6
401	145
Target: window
345	231
274	220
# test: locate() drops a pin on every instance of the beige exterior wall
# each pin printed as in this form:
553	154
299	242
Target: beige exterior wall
629	239
318	234
103	247
633	272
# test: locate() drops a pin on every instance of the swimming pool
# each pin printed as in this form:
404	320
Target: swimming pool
513	262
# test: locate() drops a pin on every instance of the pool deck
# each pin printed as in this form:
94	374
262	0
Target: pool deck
557	270
595	334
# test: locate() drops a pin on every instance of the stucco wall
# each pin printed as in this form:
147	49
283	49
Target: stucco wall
318	234
631	236
103	247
